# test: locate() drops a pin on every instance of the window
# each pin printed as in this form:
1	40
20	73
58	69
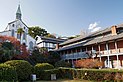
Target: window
13	33
24	27
30	45
36	38
13	25
18	36
24	36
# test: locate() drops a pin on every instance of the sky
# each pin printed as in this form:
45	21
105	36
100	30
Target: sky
64	17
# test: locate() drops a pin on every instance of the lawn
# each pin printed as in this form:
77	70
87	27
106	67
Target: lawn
66	81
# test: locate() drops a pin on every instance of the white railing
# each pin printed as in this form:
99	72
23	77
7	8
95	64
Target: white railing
75	55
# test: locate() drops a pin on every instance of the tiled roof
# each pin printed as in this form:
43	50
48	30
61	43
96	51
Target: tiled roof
53	40
93	40
91	35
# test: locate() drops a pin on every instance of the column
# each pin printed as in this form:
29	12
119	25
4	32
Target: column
92	48
117	54
99	52
86	49
108	54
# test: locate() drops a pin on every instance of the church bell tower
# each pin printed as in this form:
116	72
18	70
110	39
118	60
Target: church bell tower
18	13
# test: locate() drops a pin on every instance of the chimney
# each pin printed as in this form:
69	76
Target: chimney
114	30
57	46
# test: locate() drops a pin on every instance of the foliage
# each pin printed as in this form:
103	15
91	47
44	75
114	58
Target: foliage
10	48
62	63
36	30
37	56
88	63
53	57
24	53
71	37
20	31
50	35
7	51
41	55
40	67
65	73
7	73
96	75
23	68
47	74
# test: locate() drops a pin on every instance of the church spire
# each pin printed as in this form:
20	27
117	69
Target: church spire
18	13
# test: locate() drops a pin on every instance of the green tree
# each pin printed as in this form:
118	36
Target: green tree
7	51
50	35
36	30
20	32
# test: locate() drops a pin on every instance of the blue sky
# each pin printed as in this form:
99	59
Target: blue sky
63	17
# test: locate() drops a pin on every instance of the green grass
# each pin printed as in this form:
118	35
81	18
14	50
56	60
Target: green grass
63	81
66	81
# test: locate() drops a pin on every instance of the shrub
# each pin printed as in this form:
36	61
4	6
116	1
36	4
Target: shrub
40	67
62	63
23	68
47	74
7	73
96	75
66	73
88	63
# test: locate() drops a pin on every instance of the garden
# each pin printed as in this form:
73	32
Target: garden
19	65
21	70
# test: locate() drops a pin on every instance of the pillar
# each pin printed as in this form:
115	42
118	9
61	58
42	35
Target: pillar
99	52
108	54
117	54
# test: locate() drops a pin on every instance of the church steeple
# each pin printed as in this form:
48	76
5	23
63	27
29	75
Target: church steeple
18	13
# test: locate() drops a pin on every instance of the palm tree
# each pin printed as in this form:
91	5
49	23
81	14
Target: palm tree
20	32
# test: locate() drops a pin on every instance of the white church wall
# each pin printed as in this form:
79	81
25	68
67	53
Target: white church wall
5	33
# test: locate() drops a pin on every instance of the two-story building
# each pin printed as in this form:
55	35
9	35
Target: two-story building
48	43
106	45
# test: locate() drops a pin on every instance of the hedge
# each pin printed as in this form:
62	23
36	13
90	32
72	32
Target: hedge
92	74
23	68
40	67
47	74
7	73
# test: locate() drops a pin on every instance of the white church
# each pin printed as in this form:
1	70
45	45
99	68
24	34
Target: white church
12	27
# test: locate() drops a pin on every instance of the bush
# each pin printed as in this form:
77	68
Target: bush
62	63
97	75
23	68
66	73
88	63
7	73
40	67
47	74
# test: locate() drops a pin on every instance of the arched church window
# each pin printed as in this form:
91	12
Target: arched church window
36	38
13	25
12	32
18	36
30	45
24	36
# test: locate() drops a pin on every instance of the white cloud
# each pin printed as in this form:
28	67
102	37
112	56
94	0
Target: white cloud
96	29
93	25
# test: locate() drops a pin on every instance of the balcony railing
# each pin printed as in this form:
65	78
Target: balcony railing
75	55
85	55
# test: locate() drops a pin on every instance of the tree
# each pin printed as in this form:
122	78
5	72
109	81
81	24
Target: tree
36	30
10	48
50	35
71	37
20	31
7	51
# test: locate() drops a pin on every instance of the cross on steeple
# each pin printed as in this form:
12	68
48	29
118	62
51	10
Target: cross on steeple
18	13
